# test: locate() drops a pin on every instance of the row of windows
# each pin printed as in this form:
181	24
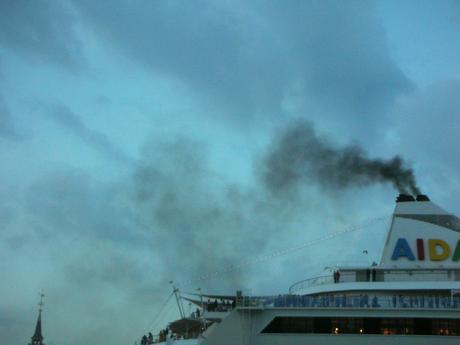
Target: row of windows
363	325
362	300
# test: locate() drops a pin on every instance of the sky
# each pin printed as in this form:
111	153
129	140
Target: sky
215	144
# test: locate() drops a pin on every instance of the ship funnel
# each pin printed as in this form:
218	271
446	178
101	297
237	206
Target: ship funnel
421	235
422	197
404	198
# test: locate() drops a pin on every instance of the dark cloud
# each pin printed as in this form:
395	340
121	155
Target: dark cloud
189	212
299	156
71	122
43	30
248	56
341	55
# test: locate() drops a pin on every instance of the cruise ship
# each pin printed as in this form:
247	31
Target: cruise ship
410	297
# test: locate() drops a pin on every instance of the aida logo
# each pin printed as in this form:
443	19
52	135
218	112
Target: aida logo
438	250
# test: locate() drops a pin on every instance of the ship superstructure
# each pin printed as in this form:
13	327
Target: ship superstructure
409	297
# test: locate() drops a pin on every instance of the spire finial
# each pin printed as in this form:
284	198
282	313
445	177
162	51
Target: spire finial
40	304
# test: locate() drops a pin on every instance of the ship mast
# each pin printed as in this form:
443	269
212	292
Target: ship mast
178	299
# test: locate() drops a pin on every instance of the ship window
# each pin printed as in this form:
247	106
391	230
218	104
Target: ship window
446	327
294	325
396	326
346	325
366	325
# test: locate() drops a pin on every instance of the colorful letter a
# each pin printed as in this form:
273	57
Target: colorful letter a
402	249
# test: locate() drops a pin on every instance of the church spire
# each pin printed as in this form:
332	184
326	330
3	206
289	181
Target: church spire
37	338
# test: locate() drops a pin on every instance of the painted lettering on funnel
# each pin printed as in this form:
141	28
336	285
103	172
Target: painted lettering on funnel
438	250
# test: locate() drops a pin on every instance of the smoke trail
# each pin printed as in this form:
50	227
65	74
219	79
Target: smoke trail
300	154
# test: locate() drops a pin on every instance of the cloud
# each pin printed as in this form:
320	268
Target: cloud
7	127
215	223
428	122
100	249
105	252
71	122
191	213
43	30
89	255
248	57
427	130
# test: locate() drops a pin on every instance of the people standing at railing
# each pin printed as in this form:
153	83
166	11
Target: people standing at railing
336	276
150	339
375	302
361	301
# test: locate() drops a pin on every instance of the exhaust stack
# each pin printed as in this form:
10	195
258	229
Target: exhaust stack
410	198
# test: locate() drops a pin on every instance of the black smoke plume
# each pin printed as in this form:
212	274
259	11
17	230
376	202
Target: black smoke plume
300	154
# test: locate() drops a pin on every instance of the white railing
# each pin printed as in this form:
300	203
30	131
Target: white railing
303	284
356	301
388	275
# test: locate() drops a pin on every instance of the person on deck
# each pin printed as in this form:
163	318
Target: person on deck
169	339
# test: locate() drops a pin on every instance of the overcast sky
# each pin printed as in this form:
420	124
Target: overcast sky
149	141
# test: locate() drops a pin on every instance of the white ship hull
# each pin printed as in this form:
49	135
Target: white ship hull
407	299
246	327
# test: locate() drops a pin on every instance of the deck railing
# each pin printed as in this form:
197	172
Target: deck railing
306	283
358	301
388	275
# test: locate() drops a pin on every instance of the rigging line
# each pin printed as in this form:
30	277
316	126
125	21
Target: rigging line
163	321
155	319
168	315
282	252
